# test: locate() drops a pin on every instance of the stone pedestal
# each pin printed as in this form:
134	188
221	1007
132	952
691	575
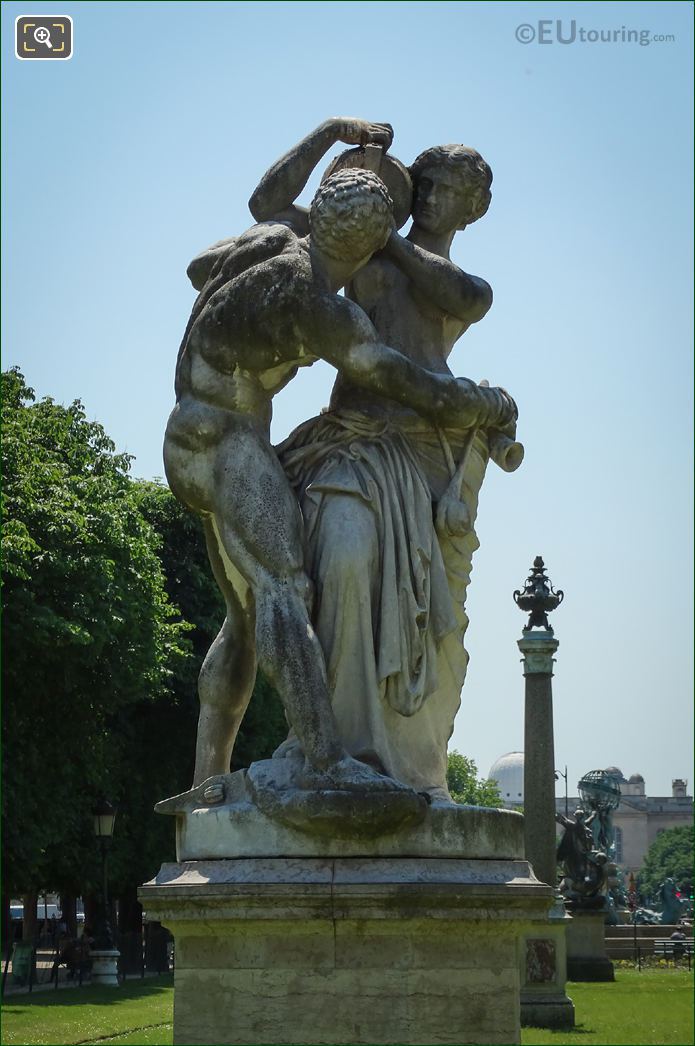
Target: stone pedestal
543	972
347	950
105	967
586	947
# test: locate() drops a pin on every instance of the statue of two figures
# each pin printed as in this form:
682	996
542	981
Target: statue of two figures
586	847
344	554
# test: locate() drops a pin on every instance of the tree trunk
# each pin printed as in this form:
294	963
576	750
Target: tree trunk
156	950
130	930
129	911
29	927
68	910
6	927
91	911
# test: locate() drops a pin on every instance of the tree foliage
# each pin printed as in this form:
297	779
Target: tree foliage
465	785
88	630
109	610
669	856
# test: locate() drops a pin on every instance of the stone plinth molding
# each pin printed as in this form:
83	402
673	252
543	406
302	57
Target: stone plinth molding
400	950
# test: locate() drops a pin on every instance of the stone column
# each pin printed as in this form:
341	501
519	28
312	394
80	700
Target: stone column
539	754
543	959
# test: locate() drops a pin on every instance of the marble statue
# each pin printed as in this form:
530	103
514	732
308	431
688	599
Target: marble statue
335	892
268	305
388	492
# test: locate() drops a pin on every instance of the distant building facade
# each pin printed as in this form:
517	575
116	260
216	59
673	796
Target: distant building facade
637	821
640	818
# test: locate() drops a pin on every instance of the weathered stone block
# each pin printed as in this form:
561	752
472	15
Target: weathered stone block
375	951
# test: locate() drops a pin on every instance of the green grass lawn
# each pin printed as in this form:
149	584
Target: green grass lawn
138	1012
640	1009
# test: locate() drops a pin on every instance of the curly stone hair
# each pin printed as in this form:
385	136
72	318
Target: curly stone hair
351	214
475	173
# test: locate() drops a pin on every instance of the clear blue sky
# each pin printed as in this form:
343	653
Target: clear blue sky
124	162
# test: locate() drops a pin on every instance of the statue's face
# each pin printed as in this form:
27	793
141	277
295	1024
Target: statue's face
441	200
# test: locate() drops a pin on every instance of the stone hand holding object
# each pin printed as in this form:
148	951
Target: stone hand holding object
361	132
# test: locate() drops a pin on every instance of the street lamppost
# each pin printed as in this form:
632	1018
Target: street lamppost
558	775
104	953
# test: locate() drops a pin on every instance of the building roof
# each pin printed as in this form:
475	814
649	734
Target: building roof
508	771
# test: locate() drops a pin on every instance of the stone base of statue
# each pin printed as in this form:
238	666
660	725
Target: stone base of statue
586	944
346	950
343	917
543	972
260	812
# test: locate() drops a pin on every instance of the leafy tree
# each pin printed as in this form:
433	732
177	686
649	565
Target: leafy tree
670	855
109	609
88	632
465	785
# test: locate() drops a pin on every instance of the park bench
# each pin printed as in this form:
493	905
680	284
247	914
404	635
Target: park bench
667	948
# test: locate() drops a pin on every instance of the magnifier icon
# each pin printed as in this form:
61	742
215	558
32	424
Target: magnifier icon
42	36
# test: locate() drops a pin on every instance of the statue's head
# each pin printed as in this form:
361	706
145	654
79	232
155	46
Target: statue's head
451	186
351	215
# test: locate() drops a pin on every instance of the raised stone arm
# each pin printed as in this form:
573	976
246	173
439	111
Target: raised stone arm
281	185
338	331
451	289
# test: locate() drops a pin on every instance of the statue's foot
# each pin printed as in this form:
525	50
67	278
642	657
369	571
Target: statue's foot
213	793
210	792
348	775
347	799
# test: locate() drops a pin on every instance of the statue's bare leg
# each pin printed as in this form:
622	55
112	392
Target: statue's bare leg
226	678
258	524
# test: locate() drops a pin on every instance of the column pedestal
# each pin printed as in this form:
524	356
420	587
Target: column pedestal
586	947
543	969
352	950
